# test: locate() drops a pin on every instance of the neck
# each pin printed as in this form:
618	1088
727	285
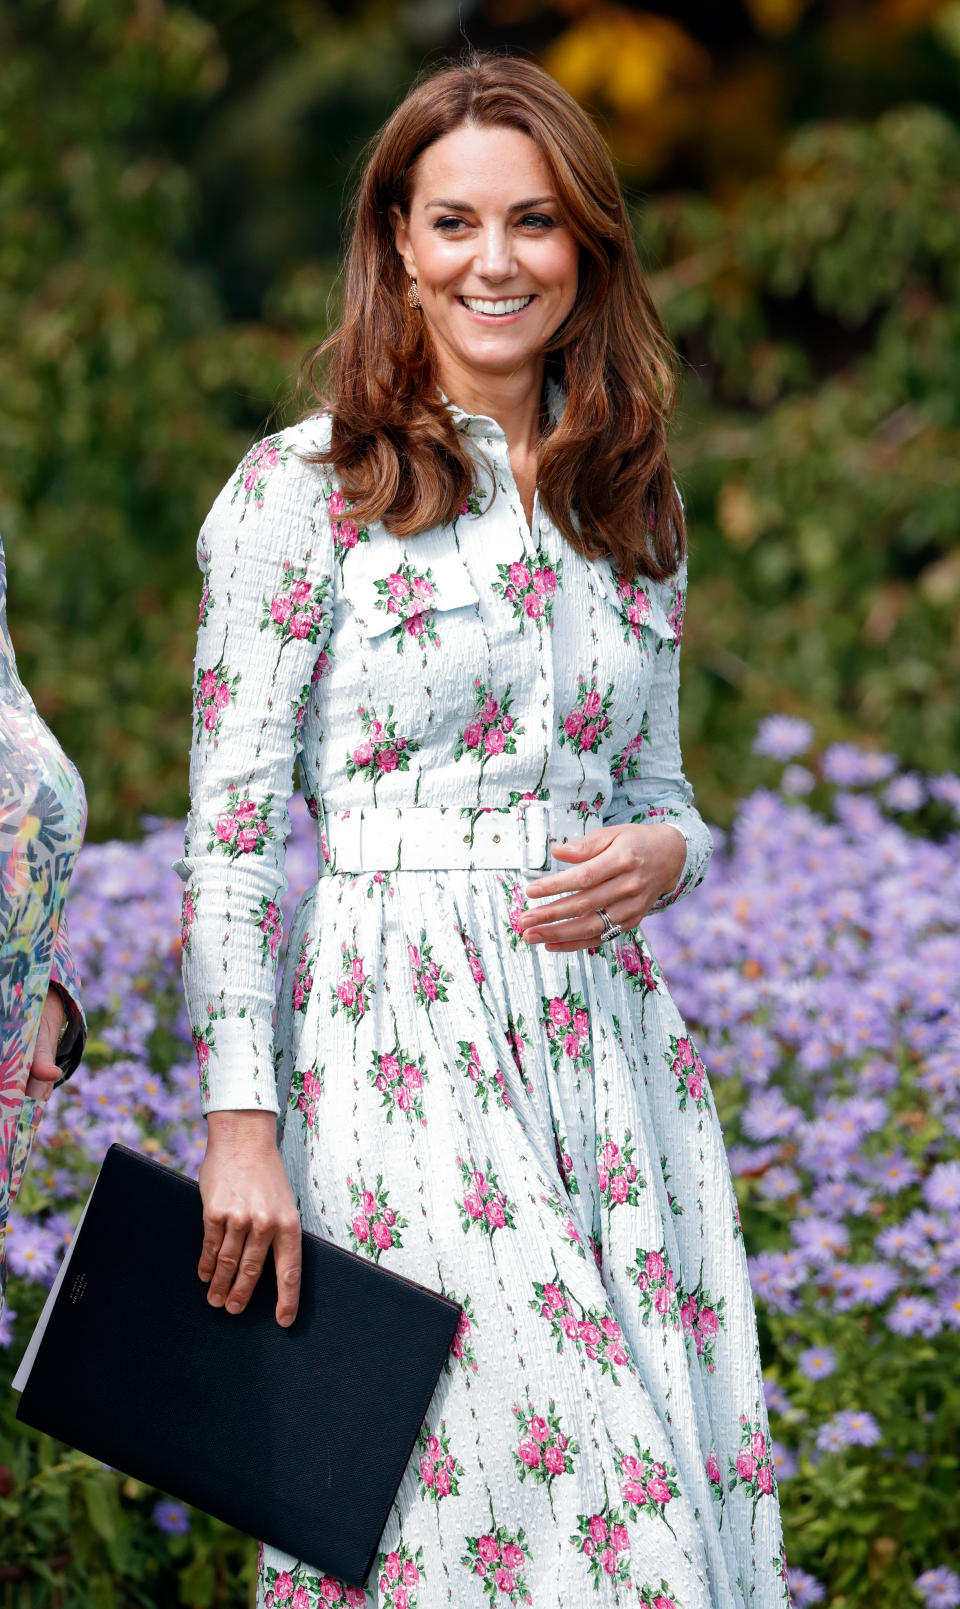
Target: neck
513	400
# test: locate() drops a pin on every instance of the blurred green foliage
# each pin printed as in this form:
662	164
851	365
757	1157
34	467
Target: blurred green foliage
171	190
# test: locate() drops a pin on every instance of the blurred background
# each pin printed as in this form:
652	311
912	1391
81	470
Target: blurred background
172	189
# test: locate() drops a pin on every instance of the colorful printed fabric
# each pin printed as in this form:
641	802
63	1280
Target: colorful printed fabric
43	814
532	1133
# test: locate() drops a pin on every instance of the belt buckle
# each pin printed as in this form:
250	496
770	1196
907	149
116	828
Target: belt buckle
534	815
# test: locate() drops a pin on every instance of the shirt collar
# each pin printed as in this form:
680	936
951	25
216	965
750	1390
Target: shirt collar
480	424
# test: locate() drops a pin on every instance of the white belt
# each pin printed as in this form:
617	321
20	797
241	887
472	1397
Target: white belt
437	837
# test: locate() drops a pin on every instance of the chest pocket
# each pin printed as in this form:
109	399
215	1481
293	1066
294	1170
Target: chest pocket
415	604
641	607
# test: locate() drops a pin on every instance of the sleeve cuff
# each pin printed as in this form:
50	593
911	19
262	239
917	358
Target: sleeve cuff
235	1060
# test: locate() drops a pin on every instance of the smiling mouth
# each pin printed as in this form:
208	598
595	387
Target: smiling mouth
513	304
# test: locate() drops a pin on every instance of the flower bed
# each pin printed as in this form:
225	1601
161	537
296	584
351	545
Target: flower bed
818	969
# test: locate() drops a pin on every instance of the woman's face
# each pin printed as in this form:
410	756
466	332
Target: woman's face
494	259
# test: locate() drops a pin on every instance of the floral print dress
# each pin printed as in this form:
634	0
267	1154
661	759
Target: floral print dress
43	813
531	1132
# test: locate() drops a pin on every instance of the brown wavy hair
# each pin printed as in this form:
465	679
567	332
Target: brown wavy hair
603	472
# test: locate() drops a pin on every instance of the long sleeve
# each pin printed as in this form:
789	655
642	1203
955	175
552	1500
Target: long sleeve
655	788
266	552
65	976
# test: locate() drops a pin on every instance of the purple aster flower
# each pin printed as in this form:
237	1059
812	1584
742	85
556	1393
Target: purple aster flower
894	1172
852	767
774	1396
941	1187
6	1325
171	1517
796	781
946	789
777	1183
33	1250
870	1283
849	1428
784	1461
913	1315
905	792
781	737
815	1362
939	1587
819	1239
804	1587
859	1427
948	1304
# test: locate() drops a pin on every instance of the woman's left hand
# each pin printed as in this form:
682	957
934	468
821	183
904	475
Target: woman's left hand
44	1071
622	869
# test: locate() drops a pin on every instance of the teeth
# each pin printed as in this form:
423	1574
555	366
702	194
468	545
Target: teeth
497	308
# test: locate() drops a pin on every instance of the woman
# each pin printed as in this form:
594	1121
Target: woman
456	596
43	813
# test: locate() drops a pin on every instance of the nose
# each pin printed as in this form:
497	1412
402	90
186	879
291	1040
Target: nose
495	260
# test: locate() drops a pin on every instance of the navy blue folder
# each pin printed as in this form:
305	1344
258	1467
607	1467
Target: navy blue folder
298	1436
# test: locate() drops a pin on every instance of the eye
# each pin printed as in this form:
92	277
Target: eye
450	225
538	220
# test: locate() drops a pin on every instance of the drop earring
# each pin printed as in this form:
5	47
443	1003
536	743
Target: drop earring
413	294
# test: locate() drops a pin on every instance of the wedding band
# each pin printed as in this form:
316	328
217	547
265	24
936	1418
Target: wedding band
612	930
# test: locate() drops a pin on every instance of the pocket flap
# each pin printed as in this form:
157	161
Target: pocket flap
641	604
391	599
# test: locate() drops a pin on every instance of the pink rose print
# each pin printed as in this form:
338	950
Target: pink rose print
461	1347
203	1042
625	765
657	1286
305	1589
675	613
374	1227
409	594
400	1079
188	915
269	919
486	1087
620	1183
211	697
379	751
347	534
634	603
427	977
543	1451
530	589
566	1022
500	1558
439	1470
302	977
690	1073
483	1204
352	991
588	723
492	731
662	1597
255	471
242	828
702	1318
632	958
603	1541
306	1087
296	612
565	1165
753	1466
647	1485
593	1330
401	1576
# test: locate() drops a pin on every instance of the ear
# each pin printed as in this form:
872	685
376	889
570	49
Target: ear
401	238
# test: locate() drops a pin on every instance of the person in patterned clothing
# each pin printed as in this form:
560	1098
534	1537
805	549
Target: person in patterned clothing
454	595
43	813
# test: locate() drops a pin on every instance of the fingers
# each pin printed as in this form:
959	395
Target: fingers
286	1255
575	918
227	1262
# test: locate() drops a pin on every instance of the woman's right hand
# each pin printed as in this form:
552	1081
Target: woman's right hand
248	1206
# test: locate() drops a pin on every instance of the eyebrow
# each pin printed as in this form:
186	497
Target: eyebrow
468	206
